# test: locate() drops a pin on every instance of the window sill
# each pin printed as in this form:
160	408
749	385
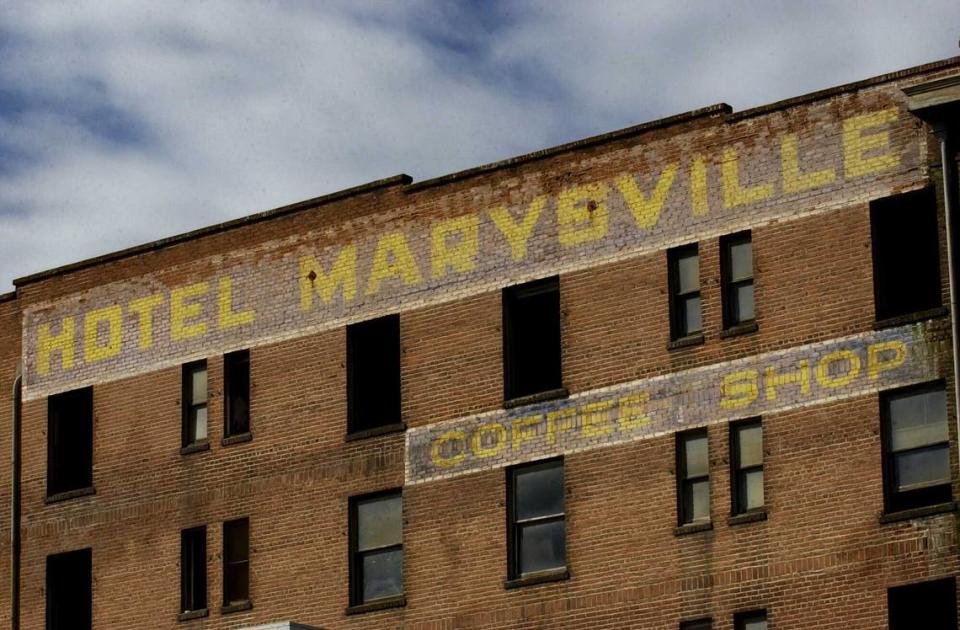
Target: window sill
745	328
193	614
550	394
236	607
196	447
686	342
693	528
919	512
910	318
748	517
543	577
238	438
381	604
69	494
396	427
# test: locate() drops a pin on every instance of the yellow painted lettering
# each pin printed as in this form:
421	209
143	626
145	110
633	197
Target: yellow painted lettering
313	278
595	418
484	446
230	318
518	233
857	144
393	259
461	257
698	187
48	343
739	389
93	350
560	420
437	449
182	311
582	214
646	209
144	308
832	381
884	356
519	432
735	194
632	412
793	180
799	376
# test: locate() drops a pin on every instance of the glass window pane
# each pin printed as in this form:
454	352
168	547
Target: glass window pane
918	419
750	440
237	586
542	546
688	273
200	423
539	492
699	508
236	535
695	456
922	468
691	315
755	624
743	303
379	522
382	574
198	386
741	261
753	488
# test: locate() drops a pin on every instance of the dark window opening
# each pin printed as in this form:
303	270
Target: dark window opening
236	380
536	521
697	624
376	541
927	605
194	403
69	592
906	254
70	441
746	462
373	373
916	447
236	562
736	270
531	338
693	479
753	620
684	281
193	569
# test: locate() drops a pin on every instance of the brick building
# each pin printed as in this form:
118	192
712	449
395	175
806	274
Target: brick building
697	373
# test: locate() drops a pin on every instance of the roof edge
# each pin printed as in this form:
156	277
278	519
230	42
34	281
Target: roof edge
396	180
8	297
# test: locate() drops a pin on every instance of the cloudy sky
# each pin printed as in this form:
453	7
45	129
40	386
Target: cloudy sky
125	122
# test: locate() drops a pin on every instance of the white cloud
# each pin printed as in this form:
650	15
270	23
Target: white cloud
140	120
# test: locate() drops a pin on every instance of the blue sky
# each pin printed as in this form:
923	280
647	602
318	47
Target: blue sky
125	122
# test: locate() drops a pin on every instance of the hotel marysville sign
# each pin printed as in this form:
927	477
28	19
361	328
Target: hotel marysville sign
664	193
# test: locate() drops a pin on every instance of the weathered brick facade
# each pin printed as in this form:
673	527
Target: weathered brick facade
599	213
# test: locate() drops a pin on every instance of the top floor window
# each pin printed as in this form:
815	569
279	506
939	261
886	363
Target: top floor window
684	281
531	338
373	374
194	403
70	441
906	254
236	381
736	268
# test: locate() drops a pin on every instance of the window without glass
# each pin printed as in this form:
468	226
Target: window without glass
916	447
697	624
746	460
928	605
70	441
69	593
193	569
194	402
373	374
684	263
536	523
736	267
236	562
236	373
906	255
531	338
376	568
753	620
693	480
